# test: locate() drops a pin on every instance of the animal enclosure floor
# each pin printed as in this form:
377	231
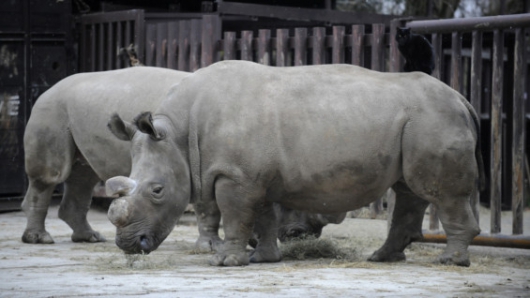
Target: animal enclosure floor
67	269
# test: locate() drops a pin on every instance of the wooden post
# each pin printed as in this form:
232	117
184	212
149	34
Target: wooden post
378	35
438	55
111	51
229	46
161	44
319	45
518	145
150	41
496	132
337	47
118	44
282	47
357	51
264	46
300	46
456	61
246	45
195	44
475	98
209	37
395	56
172	45
184	45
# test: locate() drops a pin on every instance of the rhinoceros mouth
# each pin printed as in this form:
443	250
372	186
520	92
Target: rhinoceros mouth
142	244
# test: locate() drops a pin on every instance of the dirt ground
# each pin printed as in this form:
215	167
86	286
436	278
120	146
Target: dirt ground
67	269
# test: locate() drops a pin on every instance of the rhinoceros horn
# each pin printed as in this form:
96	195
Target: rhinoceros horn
118	212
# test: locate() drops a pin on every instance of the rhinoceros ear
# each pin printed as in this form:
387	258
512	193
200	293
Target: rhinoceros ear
144	123
123	130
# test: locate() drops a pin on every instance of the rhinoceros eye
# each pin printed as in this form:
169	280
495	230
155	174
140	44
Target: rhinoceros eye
157	191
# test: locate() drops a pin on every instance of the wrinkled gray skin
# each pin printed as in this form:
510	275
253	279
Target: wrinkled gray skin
66	140
322	139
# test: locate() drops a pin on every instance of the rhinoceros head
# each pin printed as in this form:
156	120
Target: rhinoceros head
158	190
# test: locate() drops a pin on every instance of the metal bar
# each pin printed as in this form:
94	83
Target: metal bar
518	139
172	45
195	40
161	44
129	39
282	47
139	32
497	240
378	34
101	48
319	45
264	49
434	223
229	46
357	50
208	39
246	45
337	48
438	55
456	61
300	46
184	45
471	24
496	133
83	48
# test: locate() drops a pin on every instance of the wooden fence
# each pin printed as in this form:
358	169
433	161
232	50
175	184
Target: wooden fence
476	69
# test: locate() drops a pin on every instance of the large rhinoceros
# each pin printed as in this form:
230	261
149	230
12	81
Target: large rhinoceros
66	140
323	139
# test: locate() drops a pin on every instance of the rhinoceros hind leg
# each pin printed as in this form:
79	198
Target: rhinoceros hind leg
267	245
76	203
405	226
35	205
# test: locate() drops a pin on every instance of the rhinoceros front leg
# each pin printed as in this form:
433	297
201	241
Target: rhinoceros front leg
35	205
76	202
405	227
208	219
267	228
237	206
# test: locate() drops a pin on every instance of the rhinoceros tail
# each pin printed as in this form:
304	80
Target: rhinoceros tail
478	152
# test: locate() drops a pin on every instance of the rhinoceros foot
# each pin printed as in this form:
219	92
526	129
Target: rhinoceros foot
455	258
262	255
88	236
235	259
208	244
37	237
381	256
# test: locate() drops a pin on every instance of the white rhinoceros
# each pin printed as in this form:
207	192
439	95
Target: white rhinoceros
66	140
324	139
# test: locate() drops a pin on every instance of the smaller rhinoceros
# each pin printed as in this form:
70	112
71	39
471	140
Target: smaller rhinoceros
66	140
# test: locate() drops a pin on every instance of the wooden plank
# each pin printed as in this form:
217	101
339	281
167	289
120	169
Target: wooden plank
229	46
456	61
172	45
150	43
246	45
161	44
496	132
184	45
357	42
337	45
282	47
395	56
195	43
438	55
518	139
264	46
208	39
319	45
300	46
476	98
378	46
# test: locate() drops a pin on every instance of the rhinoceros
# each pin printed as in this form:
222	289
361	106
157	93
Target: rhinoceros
66	140
322	139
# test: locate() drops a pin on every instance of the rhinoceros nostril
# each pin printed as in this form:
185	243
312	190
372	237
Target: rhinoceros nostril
145	244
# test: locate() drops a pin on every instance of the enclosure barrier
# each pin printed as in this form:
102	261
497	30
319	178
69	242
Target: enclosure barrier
194	43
